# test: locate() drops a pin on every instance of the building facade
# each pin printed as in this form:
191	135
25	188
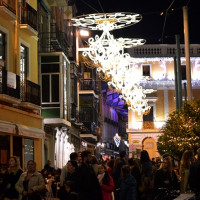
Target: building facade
21	127
157	62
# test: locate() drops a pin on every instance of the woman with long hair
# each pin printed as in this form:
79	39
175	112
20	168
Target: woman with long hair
106	182
165	177
146	184
10	178
186	160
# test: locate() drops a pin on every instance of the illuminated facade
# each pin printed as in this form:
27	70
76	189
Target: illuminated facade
157	61
21	127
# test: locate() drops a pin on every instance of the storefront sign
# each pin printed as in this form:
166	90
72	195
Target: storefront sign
11	80
135	141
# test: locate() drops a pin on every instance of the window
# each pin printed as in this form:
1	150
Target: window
23	69
2	46
4	150
50	88
183	72
146	70
50	69
28	151
149	117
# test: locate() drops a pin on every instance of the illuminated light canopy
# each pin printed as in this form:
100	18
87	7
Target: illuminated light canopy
109	21
108	53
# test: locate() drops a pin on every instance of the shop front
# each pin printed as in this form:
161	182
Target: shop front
22	141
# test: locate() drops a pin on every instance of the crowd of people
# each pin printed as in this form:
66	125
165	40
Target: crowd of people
86	178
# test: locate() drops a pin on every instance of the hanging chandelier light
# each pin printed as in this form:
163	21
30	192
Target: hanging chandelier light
106	48
108	54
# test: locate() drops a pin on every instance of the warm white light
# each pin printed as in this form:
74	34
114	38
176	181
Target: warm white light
84	33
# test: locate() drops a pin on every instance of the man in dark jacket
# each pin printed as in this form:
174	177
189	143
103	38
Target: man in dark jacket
117	172
88	184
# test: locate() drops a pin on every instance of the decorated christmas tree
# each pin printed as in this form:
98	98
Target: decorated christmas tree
181	131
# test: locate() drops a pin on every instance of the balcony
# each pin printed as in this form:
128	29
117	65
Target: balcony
53	41
7	9
29	20
88	84
9	87
145	126
31	96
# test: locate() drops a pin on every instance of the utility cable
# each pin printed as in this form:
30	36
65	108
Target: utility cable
165	20
89	6
100	6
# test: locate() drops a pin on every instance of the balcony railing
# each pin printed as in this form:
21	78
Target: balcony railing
145	126
29	16
10	4
87	84
31	93
53	41
6	88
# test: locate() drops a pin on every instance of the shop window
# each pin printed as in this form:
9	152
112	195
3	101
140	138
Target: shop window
2	46
28	151
4	150
17	148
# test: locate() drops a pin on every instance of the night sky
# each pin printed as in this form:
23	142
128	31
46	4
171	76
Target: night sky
154	27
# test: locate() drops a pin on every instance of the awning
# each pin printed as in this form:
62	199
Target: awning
30	131
7	127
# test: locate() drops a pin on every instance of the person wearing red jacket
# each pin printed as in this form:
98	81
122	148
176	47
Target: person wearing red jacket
106	182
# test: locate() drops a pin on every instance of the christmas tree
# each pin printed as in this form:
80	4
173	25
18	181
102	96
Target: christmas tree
181	131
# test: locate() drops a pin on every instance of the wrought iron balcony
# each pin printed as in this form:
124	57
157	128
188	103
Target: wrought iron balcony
87	84
89	117
31	93
28	16
9	86
53	41
9	4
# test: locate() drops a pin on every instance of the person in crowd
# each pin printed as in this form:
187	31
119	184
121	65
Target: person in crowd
128	184
117	172
186	161
110	166
88	185
146	185
31	185
79	158
49	168
10	178
70	189
94	164
73	156
135	171
106	182
165	177
194	175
